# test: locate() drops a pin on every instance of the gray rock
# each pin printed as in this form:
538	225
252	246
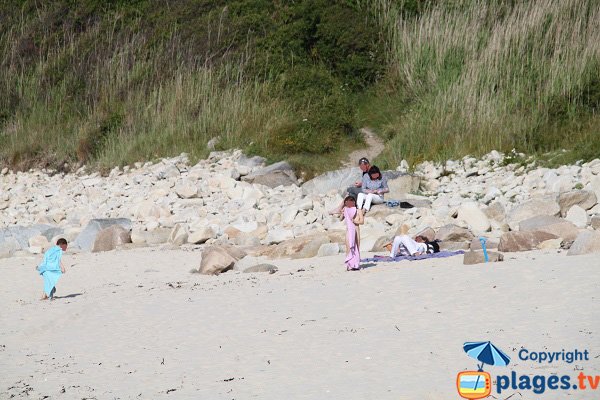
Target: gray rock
270	268
401	184
553	225
109	238
85	240
477	257
334	180
587	242
19	235
585	199
255	161
453	233
278	174
539	206
523	241
496	212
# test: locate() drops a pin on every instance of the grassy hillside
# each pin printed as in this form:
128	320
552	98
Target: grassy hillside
112	82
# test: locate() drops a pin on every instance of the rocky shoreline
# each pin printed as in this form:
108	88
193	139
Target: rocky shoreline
233	200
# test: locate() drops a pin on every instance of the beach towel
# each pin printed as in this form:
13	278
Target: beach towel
353	256
441	254
49	269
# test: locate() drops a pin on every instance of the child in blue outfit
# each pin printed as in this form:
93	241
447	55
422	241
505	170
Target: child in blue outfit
52	268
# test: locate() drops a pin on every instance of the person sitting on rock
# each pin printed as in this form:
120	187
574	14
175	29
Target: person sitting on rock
364	166
354	190
404	245
373	190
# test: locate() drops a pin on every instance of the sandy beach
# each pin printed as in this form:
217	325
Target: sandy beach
137	324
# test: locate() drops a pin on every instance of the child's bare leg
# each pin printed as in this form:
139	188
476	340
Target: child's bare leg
44	296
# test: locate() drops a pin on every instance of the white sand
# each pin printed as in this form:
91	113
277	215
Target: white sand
137	324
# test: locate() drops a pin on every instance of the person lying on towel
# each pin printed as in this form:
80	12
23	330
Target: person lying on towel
404	245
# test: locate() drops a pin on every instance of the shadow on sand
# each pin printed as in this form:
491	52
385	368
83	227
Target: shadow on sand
69	296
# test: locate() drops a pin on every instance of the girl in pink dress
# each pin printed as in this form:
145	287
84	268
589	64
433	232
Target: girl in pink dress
353	218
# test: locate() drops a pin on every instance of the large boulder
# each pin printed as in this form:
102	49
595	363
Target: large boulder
453	233
585	199
85	240
278	174
219	259
338	180
474	217
538	206
18	236
585	243
556	226
109	238
400	184
311	249
496	212
523	241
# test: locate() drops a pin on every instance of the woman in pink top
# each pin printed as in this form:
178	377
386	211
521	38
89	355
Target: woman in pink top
353	218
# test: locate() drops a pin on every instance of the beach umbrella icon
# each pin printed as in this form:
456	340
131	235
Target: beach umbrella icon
487	353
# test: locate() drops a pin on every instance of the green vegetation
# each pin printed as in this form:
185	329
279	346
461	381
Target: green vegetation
465	77
113	82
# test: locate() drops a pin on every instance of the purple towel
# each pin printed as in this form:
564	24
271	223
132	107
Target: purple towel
441	254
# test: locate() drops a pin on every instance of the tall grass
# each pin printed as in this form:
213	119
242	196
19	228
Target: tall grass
471	76
108	97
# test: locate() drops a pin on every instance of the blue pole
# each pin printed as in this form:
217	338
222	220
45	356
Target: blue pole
482	240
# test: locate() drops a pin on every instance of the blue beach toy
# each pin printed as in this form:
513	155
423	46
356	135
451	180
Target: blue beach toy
483	240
